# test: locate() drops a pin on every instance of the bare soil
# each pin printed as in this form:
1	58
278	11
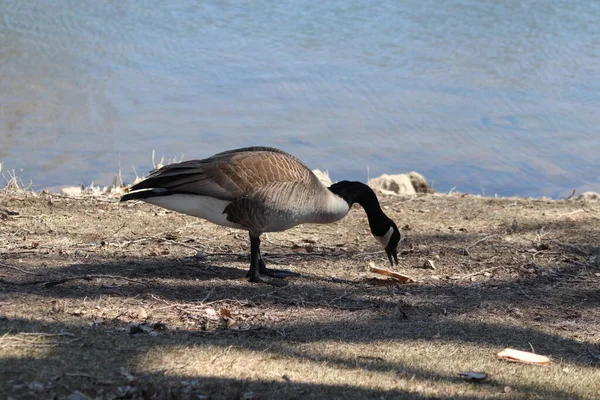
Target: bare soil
110	300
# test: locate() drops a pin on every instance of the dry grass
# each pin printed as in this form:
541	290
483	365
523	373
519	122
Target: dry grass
121	301
12	181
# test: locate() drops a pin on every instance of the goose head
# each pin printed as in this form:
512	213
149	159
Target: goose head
382	227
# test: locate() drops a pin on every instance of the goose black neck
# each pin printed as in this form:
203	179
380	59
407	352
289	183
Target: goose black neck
357	192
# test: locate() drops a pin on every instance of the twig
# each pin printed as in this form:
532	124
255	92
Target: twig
95	378
318	304
18	269
571	213
118	230
596	356
479	241
47	283
227	254
576	249
175	242
533	255
207	295
47	334
480	272
226	351
571	195
542	300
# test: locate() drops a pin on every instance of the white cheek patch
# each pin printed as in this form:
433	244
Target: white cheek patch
385	239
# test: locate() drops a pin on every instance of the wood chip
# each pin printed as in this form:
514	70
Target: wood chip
523	356
390	274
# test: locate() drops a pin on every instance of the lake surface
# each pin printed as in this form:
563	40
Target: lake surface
488	96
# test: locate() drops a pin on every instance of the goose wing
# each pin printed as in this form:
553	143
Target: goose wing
231	174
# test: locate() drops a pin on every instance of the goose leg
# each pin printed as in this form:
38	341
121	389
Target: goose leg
255	269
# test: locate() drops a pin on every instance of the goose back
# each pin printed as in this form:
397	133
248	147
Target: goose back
263	189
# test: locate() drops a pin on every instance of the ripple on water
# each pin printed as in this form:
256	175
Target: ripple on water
480	93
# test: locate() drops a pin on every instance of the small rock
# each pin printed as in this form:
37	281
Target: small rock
141	313
128	376
211	313
36	386
142	328
72	191
507	389
473	376
126	391
18	387
77	395
248	396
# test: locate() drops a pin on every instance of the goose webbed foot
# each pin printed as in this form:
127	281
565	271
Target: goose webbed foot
275	273
268	280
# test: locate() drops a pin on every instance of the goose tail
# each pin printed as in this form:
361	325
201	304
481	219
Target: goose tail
145	194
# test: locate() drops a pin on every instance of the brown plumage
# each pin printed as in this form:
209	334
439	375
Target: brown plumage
230	174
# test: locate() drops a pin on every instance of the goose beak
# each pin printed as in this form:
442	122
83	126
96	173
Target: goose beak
392	253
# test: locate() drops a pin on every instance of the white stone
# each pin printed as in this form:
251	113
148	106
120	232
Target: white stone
593	196
393	184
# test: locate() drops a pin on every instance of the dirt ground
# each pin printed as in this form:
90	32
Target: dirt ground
106	300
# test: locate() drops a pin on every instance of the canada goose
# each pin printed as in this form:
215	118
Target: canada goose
261	189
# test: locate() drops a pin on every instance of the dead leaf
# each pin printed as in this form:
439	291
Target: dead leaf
225	313
227	318
523	356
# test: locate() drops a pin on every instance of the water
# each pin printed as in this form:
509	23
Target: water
494	97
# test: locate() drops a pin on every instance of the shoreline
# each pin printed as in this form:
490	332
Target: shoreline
404	184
